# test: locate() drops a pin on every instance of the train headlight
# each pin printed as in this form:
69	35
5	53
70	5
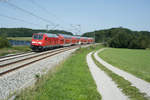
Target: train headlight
39	42
33	42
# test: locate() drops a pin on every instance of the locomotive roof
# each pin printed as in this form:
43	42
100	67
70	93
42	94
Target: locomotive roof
84	37
66	36
78	37
49	34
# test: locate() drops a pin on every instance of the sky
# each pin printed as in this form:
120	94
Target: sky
77	16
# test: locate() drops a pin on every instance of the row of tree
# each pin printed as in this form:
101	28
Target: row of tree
26	32
122	38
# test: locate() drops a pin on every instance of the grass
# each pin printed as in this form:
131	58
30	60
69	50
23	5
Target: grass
136	62
20	38
13	50
132	92
71	80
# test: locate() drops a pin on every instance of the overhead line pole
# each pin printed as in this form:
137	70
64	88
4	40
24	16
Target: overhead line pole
94	34
79	29
47	27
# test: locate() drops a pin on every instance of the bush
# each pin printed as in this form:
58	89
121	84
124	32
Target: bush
4	42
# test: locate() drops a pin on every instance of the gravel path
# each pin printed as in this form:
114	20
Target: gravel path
142	85
105	86
25	77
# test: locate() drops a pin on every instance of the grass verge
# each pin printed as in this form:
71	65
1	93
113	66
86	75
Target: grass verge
71	80
20	38
13	50
136	62
132	92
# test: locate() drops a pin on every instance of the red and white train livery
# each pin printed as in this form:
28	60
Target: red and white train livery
44	41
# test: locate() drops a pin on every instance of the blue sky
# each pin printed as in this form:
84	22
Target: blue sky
69	14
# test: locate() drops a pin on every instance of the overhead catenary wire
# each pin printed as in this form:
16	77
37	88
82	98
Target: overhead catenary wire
30	13
17	19
45	10
49	13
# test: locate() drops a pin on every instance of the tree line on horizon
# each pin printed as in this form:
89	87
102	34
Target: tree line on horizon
122	38
26	32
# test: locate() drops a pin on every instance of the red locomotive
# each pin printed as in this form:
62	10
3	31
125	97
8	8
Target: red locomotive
44	41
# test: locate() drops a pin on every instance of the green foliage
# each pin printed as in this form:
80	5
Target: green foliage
4	42
21	48
122	38
13	50
20	38
26	32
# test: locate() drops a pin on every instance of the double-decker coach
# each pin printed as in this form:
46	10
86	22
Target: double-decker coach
90	40
78	39
66	40
84	40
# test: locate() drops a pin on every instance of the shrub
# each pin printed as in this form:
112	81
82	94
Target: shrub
4	42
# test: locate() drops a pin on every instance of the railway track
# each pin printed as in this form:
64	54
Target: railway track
12	55
14	65
19	55
16	59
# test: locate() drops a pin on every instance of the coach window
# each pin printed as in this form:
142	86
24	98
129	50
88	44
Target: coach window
35	36
40	37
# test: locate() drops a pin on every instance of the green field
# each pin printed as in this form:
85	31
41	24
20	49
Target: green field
71	80
136	62
20	38
125	86
13	50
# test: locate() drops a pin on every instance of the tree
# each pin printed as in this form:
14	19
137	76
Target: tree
4	42
123	38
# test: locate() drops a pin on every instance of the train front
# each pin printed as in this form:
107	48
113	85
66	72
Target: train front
37	42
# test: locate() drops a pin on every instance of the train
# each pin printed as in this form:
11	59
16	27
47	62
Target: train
45	41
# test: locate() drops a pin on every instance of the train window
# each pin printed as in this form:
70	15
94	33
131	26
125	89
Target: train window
35	36
62	40
40	37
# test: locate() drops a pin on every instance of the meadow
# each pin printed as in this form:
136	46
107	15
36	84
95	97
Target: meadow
13	50
71	80
134	61
20	38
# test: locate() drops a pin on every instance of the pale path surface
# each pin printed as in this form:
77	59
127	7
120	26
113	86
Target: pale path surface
142	85
105	86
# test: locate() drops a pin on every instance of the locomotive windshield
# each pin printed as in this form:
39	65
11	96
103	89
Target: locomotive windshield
39	37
